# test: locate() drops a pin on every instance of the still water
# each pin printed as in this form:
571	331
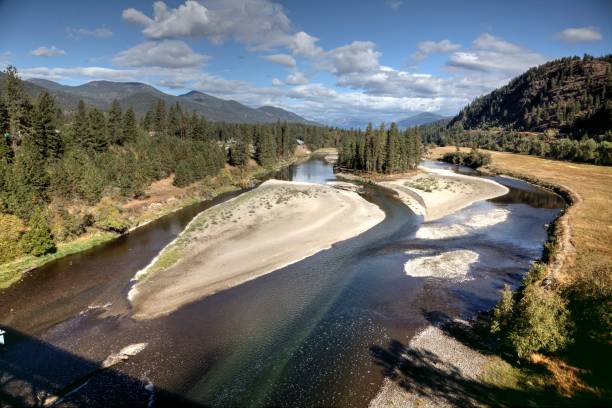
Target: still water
299	336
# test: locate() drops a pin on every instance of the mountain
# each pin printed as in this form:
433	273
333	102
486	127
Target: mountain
141	97
283	115
419	119
573	95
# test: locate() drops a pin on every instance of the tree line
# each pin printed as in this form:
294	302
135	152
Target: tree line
380	151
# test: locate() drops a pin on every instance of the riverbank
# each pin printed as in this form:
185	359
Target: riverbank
161	199
260	231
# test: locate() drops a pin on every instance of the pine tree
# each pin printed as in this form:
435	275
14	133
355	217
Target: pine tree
114	123
97	132
46	136
129	128
79	125
393	149
38	239
17	105
239	153
160	120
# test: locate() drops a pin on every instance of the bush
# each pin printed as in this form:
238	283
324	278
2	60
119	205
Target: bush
38	239
473	159
11	230
107	217
534	274
502	314
541	322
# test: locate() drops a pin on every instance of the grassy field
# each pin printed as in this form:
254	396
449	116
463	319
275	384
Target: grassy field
591	218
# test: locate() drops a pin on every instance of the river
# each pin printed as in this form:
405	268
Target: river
299	336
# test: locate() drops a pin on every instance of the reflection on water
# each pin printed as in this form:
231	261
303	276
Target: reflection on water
300	335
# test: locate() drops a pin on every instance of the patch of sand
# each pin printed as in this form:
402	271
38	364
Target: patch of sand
260	231
438	192
447	265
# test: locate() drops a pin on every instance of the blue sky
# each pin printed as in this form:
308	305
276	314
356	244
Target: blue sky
326	60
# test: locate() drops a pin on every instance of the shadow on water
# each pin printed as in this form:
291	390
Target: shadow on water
34	373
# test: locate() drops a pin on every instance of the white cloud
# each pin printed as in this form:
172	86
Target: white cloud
277	82
394	4
167	53
304	44
5	58
101	32
297	78
258	23
359	56
493	54
580	34
46	52
72	72
281	59
431	47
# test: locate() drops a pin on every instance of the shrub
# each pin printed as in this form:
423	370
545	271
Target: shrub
502	314
473	159
11	230
534	274
38	239
541	322
107	217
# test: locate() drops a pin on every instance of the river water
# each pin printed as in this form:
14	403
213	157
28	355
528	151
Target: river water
299	336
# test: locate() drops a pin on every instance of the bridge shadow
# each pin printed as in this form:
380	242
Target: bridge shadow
34	373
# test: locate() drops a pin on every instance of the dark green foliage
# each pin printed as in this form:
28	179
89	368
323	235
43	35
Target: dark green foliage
503	312
45	136
380	151
38	239
473	159
265	146
96	136
79	125
115	116
239	153
129	131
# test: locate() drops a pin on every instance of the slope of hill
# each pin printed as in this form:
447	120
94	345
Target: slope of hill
141	97
419	119
573	95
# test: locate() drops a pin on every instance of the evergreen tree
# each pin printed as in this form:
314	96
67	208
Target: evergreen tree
18	106
392	158
160	118
114	123
38	239
46	137
129	130
239	153
79	125
97	132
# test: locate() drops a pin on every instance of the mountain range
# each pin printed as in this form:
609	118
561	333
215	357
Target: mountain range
141	97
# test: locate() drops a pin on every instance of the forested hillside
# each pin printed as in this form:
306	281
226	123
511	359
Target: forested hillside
62	173
561	110
572	95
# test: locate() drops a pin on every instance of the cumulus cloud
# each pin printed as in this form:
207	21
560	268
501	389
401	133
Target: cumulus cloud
297	78
431	47
277	82
167	53
580	34
46	52
359	56
258	23
304	44
101	32
281	59
493	54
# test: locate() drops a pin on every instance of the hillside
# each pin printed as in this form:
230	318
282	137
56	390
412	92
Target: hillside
419	119
141	97
573	95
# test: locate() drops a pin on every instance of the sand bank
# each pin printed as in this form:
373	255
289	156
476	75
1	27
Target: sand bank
272	226
435	193
453	265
